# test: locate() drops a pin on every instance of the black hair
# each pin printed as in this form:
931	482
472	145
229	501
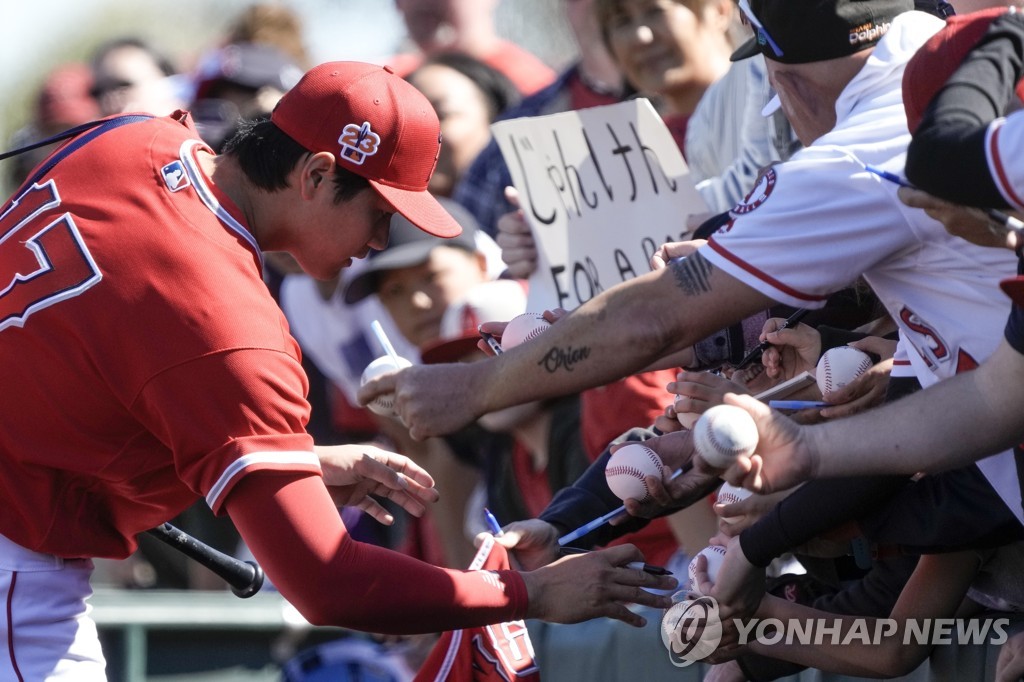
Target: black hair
266	154
498	91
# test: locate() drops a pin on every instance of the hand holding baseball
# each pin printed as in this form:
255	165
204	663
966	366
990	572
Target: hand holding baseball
723	434
383	404
784	457
673	492
629	467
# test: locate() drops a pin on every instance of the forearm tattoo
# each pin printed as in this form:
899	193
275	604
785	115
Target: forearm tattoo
692	274
564	358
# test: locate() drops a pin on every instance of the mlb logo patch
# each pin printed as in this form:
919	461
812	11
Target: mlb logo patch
174	176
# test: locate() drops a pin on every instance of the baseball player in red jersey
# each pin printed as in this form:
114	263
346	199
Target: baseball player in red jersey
146	364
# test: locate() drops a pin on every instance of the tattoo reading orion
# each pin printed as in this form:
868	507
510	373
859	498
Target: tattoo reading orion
558	358
692	274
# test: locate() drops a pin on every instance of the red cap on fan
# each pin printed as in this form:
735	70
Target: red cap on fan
377	126
933	64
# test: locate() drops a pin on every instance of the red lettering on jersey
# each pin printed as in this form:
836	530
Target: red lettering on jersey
936	351
964	362
512	642
42	260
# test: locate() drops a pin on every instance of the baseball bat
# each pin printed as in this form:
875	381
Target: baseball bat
244	577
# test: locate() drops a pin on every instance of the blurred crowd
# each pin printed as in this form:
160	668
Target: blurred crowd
430	295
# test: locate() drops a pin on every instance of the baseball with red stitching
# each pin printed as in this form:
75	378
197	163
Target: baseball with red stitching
523	328
723	433
730	494
628	467
839	366
714	555
383	405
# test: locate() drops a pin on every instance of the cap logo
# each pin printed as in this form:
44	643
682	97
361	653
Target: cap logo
868	33
358	142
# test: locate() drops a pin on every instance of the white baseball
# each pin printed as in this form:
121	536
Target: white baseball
839	366
730	494
627	468
714	555
523	328
724	433
383	405
686	419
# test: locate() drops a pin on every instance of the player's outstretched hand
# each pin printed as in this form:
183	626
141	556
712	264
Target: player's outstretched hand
598	584
793	350
353	473
518	248
782	458
532	543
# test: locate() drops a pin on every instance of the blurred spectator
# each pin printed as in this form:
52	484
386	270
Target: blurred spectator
271	23
239	81
679	56
416	278
467	95
131	76
64	101
593	80
467	26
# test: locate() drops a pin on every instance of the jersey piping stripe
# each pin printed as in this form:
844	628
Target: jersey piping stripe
10	626
292	457
764	277
206	195
449	657
996	163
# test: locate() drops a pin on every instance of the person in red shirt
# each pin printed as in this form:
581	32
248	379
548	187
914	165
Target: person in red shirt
467	26
149	366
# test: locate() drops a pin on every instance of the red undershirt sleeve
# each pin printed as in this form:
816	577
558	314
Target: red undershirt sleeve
295	532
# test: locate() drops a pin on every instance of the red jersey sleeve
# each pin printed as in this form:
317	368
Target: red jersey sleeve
214	447
296	534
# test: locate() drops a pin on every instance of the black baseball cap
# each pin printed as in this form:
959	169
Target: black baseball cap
409	246
245	65
804	31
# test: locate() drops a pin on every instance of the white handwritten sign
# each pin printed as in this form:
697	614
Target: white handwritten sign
602	189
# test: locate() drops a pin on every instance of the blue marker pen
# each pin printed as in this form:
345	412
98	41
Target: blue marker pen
796	404
492	523
997	217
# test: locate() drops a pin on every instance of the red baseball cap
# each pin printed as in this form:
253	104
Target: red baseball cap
378	126
497	300
933	64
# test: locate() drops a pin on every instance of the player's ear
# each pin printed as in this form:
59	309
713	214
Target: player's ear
315	171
